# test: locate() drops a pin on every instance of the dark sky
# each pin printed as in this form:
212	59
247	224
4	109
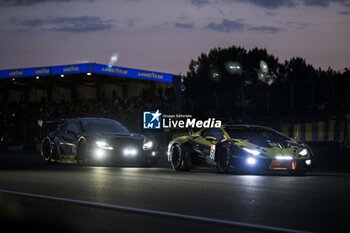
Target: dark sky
165	35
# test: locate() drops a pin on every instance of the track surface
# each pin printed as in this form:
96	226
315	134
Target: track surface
69	198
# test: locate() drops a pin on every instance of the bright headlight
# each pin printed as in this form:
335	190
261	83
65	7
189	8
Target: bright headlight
100	153
147	145
303	152
251	151
284	157
251	161
130	151
104	145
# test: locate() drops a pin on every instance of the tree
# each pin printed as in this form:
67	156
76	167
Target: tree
231	76
234	81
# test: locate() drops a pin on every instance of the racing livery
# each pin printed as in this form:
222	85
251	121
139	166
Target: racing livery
100	140
240	148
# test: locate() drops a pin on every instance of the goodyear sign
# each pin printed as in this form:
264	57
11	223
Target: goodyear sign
27	72
85	68
70	69
132	73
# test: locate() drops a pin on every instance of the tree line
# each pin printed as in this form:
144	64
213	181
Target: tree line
238	83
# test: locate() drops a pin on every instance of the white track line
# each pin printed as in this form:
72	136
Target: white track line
158	213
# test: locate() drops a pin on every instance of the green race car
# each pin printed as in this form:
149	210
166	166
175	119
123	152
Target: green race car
240	148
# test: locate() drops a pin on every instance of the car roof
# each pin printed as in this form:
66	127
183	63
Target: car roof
245	126
81	120
90	118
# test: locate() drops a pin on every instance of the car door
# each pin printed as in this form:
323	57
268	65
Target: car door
205	145
68	135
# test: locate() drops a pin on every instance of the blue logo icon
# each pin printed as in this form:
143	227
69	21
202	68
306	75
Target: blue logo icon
151	120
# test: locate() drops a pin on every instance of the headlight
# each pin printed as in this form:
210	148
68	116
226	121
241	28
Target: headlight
104	145
130	151
283	157
251	161
303	152
251	151
100	153
147	145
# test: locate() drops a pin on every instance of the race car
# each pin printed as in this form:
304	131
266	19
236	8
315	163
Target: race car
240	148
97	140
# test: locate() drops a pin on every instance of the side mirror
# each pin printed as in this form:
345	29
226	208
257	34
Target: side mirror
210	138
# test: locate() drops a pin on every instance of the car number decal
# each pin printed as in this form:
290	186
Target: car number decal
212	152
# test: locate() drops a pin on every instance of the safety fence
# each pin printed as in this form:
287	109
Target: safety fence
337	131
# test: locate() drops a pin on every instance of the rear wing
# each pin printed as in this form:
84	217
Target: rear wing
42	123
45	127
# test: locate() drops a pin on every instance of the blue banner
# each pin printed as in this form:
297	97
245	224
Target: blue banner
70	69
86	68
26	72
132	73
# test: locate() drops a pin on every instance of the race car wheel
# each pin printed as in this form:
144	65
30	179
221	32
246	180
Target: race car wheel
47	152
180	156
223	163
81	153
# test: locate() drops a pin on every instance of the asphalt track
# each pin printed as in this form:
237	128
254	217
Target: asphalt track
69	198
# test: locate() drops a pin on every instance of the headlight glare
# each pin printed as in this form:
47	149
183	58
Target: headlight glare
252	151
103	145
303	152
130	151
100	153
283	157
250	161
147	145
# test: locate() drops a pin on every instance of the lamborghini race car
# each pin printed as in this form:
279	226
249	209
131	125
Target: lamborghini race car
97	140
240	148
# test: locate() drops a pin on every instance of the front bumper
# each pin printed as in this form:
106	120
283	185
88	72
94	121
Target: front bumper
99	155
251	163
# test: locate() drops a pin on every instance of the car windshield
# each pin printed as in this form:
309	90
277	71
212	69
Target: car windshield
103	126
258	136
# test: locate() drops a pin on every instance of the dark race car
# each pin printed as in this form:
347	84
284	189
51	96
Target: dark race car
240	148
98	140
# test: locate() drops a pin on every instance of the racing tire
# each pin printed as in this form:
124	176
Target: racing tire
47	152
81	153
180	157
223	162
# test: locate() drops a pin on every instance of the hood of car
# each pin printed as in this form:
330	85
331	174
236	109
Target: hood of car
112	136
272	150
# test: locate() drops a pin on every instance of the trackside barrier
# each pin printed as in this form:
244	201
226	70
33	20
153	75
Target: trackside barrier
321	131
